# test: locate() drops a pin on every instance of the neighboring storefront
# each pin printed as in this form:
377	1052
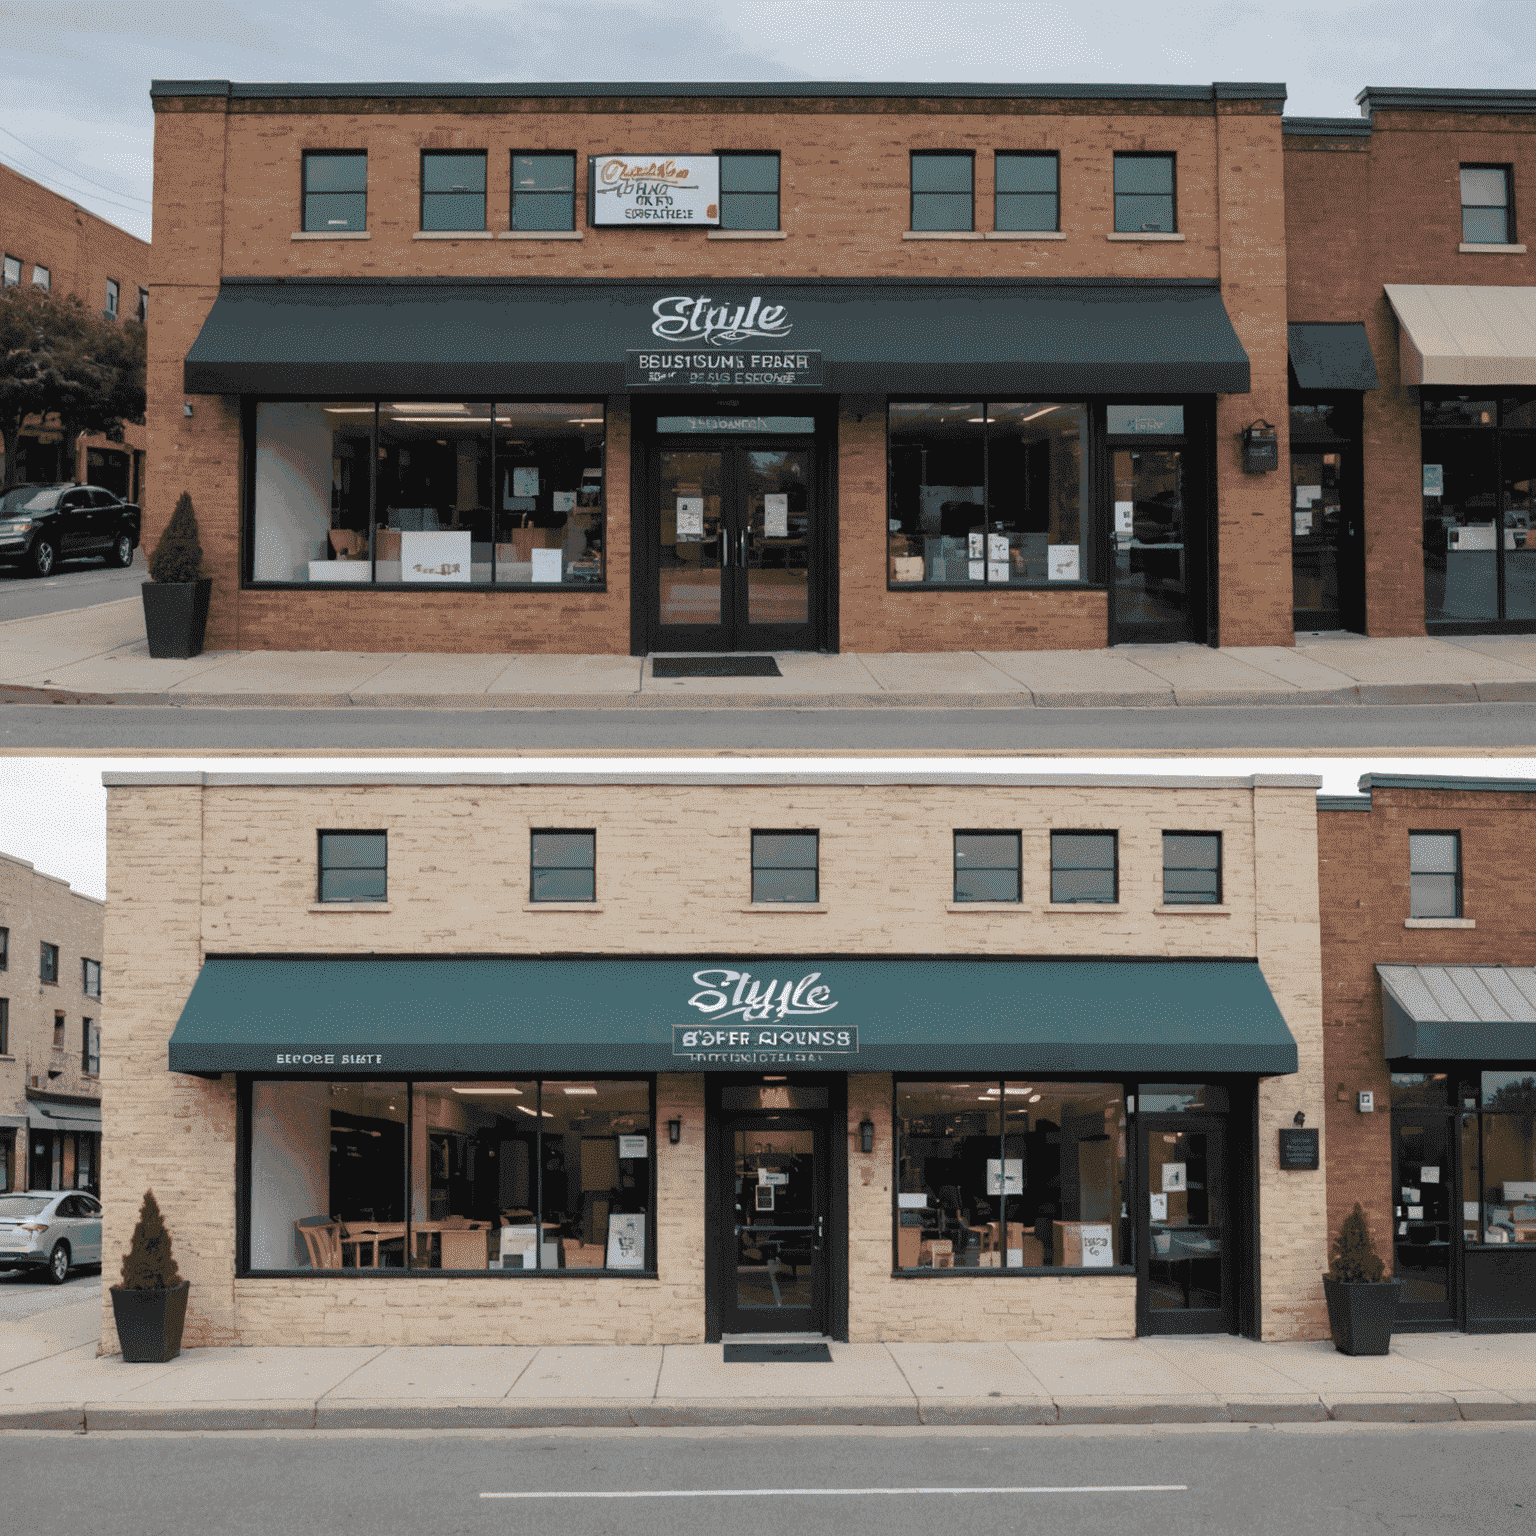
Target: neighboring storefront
452	406
724	1095
1429	974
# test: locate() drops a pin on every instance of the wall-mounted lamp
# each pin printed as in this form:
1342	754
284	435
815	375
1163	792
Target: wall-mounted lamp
1261	448
186	407
866	1135
674	1131
1299	1118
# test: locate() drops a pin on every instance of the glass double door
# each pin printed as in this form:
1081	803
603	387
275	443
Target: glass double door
774	1264
1158	591
735	548
1186	1227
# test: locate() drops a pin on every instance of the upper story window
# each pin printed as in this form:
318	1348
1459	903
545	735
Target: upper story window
41	278
543	192
336	191
749	191
90	1047
10	275
58	1031
5	1026
5	949
1434	874
142	313
1487	214
90	977
785	866
1027	192
112	293
987	866
564	866
1144	194
943	185
452	190
48	963
354	866
1191	869
1085	867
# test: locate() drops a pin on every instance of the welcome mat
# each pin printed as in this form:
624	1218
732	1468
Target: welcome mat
715	666
758	1354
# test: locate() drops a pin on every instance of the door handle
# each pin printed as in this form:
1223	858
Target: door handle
742	550
725	549
820	1234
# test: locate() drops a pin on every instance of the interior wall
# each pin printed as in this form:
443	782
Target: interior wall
290	1168
293	489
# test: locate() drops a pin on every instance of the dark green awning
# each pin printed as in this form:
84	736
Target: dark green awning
1459	1012
501	338
1332	356
409	1016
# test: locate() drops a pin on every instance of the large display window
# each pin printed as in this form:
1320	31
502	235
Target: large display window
402	493
511	1176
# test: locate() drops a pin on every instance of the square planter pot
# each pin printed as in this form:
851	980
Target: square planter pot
1360	1316
176	616
149	1323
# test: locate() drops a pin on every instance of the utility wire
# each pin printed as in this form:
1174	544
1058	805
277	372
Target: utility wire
94	197
77	175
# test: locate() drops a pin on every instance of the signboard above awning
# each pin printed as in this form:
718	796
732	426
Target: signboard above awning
1336	356
1463	336
498	338
431	1016
1459	1012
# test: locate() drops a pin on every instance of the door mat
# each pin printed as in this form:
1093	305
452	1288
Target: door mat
757	1354
715	666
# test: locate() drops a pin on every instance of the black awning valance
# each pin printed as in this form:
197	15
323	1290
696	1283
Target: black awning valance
494	339
1332	356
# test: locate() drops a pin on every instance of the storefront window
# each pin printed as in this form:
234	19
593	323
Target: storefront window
1010	1176
1508	1158
466	1177
988	494
445	493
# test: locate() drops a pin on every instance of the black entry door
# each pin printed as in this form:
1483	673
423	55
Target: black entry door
1327	537
735	548
773	1270
1425	1222
1159	588
1185	1279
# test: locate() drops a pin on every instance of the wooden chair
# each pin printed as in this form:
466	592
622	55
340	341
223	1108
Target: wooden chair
349	544
463	1249
323	1242
358	1238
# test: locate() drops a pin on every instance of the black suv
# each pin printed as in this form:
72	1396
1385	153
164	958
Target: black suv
40	525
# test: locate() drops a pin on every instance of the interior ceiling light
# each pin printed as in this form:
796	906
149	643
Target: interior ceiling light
1044	410
518	1092
1034	1098
574	1091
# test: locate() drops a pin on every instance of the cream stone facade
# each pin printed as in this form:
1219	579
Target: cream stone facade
204	867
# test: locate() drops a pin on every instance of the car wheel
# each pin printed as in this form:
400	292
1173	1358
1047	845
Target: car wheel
58	1264
122	550
44	558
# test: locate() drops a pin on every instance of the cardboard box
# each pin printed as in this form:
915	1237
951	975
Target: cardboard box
909	1242
521	543
938	1252
580	1255
906	568
989	1260
991	1237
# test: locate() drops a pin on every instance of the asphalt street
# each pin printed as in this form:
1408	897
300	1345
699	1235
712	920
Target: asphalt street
1300	1480
1454	729
24	1292
77	584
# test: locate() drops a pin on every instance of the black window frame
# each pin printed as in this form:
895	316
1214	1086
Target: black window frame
1114	867
1018	863
48	964
1508	173
969	155
141	314
534	866
114	298
1173	189
484	193
726	155
5	1026
87	1056
998	156
85	976
5	949
1185	898
6	280
815	867
60	1025
305	193
535	193
322	868
1456	875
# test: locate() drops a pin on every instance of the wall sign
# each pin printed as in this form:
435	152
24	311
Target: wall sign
1298	1150
736	369
655	189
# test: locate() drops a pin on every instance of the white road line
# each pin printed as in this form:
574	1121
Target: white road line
767	1493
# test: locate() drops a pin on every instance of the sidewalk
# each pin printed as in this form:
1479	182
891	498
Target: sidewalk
98	656
52	1378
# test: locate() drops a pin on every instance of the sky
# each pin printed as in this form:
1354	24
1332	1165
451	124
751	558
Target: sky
81	122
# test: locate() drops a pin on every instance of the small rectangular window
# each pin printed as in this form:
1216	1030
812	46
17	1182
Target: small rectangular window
335	191
90	1050
5	949
1144	194
41	277
749	191
1434	874
564	865
142	314
48	963
58	1031
1191	869
543	191
784	866
90	977
1027	194
12	271
354	866
1486	215
943	185
986	866
5	1026
112	295
1085	867
452	190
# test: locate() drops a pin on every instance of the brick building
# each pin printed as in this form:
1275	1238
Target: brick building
711	367
1429	1009
420	1058
50	1032
52	242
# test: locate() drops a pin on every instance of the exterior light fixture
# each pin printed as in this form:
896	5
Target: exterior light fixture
1299	1118
867	1134
674	1131
186	407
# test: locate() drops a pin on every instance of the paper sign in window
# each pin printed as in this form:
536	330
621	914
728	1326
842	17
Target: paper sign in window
1429	1174
997	570
1159	1207
1098	1246
1303	522
997	546
975	569
690	517
1410	1195
1469	1210
1174	1178
563	501
775	1176
776	515
1434	480
1415	1213
1307	494
525	482
546	564
626	1241
912	1202
974	545
1009	1173
1125	518
633	1146
1061	562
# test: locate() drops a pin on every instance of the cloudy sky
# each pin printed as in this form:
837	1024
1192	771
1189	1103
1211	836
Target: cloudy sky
80	121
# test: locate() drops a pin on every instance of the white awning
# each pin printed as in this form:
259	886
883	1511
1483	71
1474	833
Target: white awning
64	1117
1465	336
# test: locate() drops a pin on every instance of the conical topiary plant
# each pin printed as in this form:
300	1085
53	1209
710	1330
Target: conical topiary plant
149	1264
178	556
1355	1260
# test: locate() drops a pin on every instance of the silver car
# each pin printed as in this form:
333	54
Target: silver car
50	1229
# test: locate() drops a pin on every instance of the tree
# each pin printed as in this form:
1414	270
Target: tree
1355	1260
149	1264
24	323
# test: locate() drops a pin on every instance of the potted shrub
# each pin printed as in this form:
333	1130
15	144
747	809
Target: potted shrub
1361	1305
150	1305
176	595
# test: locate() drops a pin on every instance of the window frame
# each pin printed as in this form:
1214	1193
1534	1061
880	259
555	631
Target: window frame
1114	836
1174	901
48	961
305	194
8	262
321	868
534	899
5	949
1018	864
913	193
141	314
1508	173
90	1060
484	193
86	974
5	1026
46	284
114	298
815	868
512	224
1172	158
778	188
60	1026
1456	875
1054	156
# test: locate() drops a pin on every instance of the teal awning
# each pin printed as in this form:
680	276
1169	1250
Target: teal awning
1459	1012
1336	356
507	1017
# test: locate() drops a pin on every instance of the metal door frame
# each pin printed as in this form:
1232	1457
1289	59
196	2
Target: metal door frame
1455	1288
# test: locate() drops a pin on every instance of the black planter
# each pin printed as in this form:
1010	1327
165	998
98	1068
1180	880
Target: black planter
176	616
149	1323
1360	1316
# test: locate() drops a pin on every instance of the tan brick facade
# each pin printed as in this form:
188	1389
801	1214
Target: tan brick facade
221	866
